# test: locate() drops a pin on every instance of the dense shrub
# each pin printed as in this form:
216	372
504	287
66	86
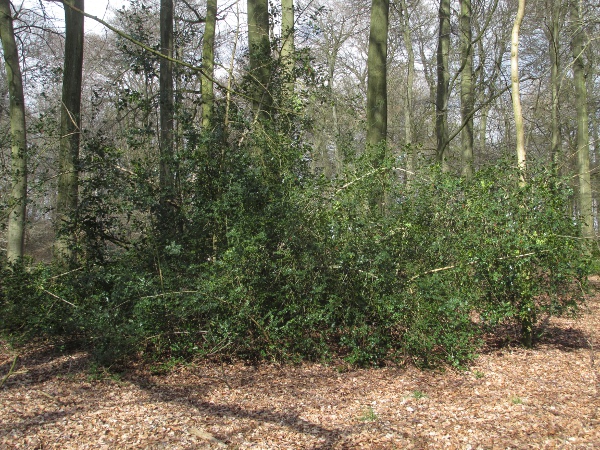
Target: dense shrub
275	263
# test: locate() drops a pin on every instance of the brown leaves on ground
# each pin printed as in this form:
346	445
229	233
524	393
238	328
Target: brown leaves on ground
510	398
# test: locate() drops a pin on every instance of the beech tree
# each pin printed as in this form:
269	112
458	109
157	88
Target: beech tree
377	73
410	81
287	46
167	178
18	137
70	130
443	84
208	62
554	45
466	87
259	47
583	139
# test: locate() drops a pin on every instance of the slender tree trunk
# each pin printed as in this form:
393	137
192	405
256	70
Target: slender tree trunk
483	130
208	63
410	79
553	41
18	137
377	73
527	316
332	57
443	84
167	112
466	88
428	73
288	48
583	139
516	94
260	56
70	130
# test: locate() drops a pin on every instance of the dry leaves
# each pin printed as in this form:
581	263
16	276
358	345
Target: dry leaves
510	398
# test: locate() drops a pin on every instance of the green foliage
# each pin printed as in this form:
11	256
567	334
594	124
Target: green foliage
273	263
368	415
419	394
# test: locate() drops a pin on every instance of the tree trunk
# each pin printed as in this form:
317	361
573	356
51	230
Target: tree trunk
208	62
18	138
516	94
410	78
377	73
166	177
553	41
583	139
70	130
260	56
443	84
483	130
287	47
466	88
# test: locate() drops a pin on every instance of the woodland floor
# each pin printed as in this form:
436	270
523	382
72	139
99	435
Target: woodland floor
510	397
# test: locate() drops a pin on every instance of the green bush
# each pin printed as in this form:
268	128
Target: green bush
275	263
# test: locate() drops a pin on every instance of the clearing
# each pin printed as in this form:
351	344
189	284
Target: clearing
511	397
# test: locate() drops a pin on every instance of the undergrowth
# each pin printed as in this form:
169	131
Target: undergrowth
269	262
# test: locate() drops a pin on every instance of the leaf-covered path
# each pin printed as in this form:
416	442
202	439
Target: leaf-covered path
548	397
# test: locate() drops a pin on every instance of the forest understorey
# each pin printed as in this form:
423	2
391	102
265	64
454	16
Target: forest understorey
511	397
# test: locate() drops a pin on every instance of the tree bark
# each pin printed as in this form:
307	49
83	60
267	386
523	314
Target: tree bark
260	56
443	84
70	131
410	79
18	136
516	94
554	47
466	87
287	47
208	63
377	73
166	177
582	139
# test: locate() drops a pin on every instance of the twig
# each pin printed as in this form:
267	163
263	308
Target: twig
10	372
51	397
206	436
168	293
440	269
66	273
58	298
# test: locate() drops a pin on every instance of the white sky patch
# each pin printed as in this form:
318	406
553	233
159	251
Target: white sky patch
103	9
